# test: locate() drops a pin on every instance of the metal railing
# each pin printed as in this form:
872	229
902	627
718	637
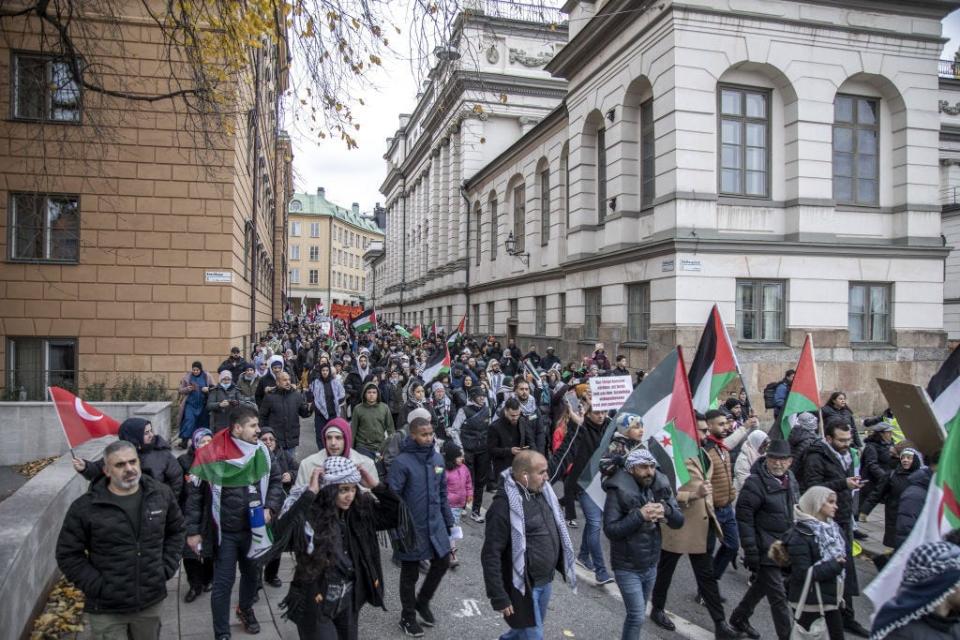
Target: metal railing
949	69
950	196
542	12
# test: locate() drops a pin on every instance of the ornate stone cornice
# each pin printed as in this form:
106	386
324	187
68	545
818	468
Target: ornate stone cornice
944	106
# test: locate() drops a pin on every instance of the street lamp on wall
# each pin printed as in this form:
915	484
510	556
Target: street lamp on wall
510	244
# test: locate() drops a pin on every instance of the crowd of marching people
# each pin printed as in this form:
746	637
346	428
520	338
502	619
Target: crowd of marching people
418	438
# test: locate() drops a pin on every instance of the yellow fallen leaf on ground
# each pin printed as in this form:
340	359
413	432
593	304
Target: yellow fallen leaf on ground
568	634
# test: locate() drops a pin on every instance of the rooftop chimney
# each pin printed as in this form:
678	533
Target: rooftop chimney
356	208
321	192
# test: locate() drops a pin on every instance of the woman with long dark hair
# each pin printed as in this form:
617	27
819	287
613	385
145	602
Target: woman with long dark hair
332	529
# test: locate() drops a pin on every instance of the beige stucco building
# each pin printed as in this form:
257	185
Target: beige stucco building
326	243
778	158
130	245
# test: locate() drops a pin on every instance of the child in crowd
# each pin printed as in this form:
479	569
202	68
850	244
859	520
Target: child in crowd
459	488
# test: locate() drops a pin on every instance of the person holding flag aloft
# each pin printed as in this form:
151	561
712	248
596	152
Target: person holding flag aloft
246	491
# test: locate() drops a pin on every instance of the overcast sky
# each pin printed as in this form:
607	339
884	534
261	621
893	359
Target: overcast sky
355	175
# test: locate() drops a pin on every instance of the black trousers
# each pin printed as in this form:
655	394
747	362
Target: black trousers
478	462
409	573
570	490
199	572
851	585
320	627
702	565
271	569
834	620
767	583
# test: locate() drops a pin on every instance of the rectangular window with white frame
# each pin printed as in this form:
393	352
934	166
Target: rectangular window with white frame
314	276
761	310
294	228
648	173
638	312
744	142
294	276
44	89
592	306
294	252
520	218
868	314
314	229
33	364
45	227
314	253
540	316
856	143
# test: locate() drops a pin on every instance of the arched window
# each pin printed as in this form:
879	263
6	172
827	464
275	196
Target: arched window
565	184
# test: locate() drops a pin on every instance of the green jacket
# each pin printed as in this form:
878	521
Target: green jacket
371	423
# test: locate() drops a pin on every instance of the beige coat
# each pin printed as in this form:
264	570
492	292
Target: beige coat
697	516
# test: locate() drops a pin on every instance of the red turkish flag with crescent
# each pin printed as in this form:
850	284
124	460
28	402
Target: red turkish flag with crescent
80	421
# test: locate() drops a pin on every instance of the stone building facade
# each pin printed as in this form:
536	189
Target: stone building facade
777	158
131	246
326	243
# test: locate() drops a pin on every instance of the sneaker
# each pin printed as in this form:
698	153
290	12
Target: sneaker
476	517
605	579
411	628
426	616
572	524
585	563
223	636
249	620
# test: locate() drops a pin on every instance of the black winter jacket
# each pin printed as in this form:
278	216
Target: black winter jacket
235	366
503	436
156	461
875	463
475	428
206	525
764	512
220	416
496	560
281	411
234	508
821	467
889	493
353	384
805	553
911	503
265	382
635	542
100	553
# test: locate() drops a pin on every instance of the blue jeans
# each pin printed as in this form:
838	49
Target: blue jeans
730	544
233	549
541	598
590	549
635	587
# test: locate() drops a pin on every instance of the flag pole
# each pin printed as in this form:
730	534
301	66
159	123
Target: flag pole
62	428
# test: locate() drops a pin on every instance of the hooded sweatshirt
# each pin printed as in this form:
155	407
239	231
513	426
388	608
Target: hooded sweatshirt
371	422
311	462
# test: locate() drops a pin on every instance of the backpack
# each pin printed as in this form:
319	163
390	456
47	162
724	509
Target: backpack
769	392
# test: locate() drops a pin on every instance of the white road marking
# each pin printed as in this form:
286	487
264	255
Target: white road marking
685	628
471	608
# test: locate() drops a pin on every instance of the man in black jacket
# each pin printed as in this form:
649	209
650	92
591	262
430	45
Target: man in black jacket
764	515
519	586
470	430
234	364
877	461
509	434
282	410
638	499
830	464
119	544
235	535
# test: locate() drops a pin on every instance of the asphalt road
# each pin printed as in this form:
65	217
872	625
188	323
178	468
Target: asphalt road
463	610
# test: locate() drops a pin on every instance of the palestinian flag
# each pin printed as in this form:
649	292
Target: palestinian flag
401	331
941	510
662	402
366	321
714	365
229	462
417	333
438	365
804	392
455	335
